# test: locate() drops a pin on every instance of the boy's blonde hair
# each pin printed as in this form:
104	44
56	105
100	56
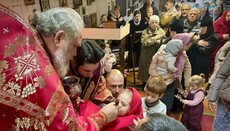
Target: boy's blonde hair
198	80
156	85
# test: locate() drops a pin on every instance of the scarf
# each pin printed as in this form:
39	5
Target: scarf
179	64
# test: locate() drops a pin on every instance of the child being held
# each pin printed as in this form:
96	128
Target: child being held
129	109
166	57
154	90
193	109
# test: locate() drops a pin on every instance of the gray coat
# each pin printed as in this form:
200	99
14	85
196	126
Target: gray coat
222	78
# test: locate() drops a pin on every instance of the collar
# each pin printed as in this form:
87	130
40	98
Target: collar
151	104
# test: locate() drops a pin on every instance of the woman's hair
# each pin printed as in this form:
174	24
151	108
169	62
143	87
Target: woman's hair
198	80
116	7
136	12
127	92
156	85
88	52
161	122
103	16
51	21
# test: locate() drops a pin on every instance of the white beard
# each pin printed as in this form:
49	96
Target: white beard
61	65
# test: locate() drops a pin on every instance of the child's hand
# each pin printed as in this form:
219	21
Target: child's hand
136	121
181	91
178	96
185	93
79	100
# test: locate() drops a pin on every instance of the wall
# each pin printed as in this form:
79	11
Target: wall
99	6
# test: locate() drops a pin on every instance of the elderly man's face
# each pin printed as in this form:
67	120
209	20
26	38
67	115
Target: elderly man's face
193	15
184	10
64	54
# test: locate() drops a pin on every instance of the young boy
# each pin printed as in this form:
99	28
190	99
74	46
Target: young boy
154	90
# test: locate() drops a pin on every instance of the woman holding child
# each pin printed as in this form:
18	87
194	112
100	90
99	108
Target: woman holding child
182	65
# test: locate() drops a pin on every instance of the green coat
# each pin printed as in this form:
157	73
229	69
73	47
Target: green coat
151	41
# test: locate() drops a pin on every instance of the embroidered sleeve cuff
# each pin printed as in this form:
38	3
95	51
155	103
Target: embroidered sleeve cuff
99	118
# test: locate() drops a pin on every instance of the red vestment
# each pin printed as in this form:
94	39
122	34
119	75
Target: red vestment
31	94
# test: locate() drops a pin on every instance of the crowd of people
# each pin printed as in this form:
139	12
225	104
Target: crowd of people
53	79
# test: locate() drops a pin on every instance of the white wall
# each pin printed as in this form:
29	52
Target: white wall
99	6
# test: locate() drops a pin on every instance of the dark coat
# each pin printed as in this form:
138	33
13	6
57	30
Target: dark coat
200	56
144	13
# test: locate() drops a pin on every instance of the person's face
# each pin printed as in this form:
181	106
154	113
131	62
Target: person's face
168	5
172	33
115	85
153	24
149	2
86	70
184	10
72	49
151	97
227	18
137	17
193	86
203	30
116	12
149	12
104	18
64	54
124	103
217	11
193	16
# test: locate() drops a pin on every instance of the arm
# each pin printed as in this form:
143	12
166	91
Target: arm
222	75
153	65
154	38
187	71
145	36
170	64
206	48
198	98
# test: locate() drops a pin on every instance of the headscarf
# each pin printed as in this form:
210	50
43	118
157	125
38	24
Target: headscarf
122	123
185	37
221	20
207	22
173	46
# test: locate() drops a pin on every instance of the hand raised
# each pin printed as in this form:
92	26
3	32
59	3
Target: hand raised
111	111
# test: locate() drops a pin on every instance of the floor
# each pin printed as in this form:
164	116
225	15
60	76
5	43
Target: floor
208	114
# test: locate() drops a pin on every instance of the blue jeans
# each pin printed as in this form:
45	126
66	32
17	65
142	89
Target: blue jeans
222	118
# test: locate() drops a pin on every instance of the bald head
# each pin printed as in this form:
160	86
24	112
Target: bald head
115	82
